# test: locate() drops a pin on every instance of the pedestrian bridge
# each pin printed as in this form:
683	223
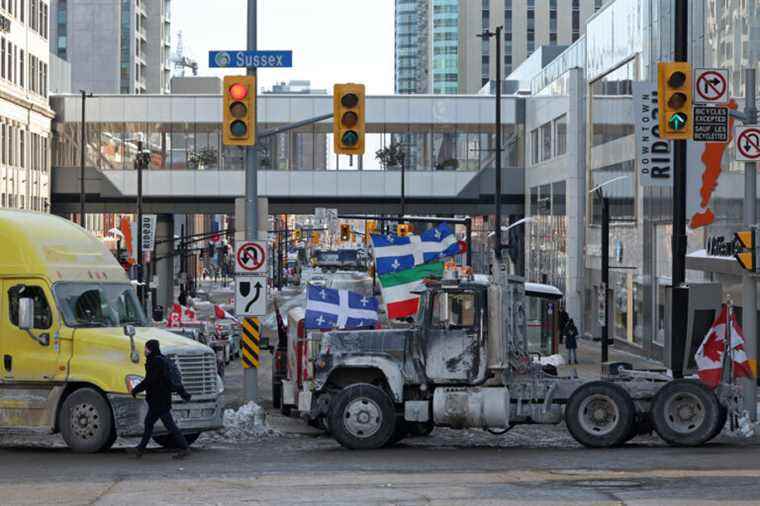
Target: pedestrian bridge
449	143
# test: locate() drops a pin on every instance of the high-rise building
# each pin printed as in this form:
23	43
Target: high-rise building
114	46
25	115
438	51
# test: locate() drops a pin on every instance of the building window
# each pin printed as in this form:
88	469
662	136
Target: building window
2	58
560	135
21	67
534	146
546	141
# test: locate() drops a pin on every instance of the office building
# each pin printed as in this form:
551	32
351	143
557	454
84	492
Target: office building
25	115
438	51
114	46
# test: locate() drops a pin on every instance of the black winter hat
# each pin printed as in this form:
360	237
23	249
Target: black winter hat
153	346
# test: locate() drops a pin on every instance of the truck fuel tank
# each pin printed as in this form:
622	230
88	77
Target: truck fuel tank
477	407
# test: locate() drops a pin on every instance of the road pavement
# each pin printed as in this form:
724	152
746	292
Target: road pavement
293	464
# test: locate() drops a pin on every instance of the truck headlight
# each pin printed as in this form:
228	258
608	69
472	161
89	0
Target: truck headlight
132	381
219	385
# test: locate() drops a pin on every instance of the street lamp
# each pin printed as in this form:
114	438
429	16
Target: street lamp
85	96
605	253
486	35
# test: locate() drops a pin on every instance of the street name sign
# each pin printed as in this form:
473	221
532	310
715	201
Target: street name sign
747	143
250	296
251	257
250	59
710	86
710	124
148	231
654	154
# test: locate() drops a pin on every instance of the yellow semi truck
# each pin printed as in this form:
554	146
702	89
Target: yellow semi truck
72	334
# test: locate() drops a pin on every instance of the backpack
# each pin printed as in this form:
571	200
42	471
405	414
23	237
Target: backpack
173	375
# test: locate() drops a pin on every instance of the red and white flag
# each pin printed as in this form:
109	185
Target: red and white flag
709	356
180	314
223	314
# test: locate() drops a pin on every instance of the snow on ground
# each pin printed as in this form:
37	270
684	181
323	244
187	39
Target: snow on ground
248	423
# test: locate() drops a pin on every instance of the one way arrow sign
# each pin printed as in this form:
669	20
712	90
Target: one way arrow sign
250	296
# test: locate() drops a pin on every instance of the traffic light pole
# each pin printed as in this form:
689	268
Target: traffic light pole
749	281
250	374
680	291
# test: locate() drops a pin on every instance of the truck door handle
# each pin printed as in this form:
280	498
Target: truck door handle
8	363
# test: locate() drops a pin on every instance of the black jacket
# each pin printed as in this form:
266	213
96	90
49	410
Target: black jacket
571	336
156	385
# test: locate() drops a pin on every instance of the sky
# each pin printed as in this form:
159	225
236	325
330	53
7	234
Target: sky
332	40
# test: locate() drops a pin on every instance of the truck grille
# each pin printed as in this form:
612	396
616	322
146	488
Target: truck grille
198	373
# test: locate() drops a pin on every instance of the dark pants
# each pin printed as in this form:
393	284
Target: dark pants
150	420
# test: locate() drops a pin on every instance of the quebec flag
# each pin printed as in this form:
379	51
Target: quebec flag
328	308
394	254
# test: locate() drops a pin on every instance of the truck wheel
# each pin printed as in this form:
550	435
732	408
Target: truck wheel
686	413
167	440
362	417
600	415
86	421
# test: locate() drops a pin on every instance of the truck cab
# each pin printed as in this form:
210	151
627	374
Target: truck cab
466	362
72	333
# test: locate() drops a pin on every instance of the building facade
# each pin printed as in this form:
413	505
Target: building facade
580	133
438	51
114	46
25	116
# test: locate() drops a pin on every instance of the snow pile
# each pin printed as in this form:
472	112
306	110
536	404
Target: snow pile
555	360
245	424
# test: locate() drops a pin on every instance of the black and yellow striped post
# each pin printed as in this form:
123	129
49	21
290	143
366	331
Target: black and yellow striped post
250	343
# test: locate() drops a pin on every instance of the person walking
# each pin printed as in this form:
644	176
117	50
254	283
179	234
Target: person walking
563	319
158	389
571	341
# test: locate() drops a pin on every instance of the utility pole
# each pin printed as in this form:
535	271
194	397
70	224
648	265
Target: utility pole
138	228
403	186
250	374
680	294
606	275
749	282
82	161
497	187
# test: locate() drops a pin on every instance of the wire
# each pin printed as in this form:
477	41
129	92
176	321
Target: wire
495	433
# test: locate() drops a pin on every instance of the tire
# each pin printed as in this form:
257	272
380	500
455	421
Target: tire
686	413
86	421
111	440
362	417
722	418
400	432
420	429
600	415
167	441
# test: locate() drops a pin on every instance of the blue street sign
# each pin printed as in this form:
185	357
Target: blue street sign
245	59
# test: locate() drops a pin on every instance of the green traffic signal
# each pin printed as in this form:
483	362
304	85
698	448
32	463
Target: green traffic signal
677	121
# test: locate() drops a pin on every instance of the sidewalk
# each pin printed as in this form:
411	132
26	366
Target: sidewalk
589	359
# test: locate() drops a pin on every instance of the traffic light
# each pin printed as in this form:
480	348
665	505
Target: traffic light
345	232
402	229
674	100
348	119
297	235
239	111
747	258
315	238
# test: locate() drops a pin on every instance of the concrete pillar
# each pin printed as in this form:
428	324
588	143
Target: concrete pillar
164	268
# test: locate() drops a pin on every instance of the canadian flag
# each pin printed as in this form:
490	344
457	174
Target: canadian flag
180	313
709	356
222	314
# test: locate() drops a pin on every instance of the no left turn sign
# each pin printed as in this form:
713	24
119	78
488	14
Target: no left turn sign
711	86
747	143
251	257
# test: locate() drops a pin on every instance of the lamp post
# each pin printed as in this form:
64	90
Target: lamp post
605	253
83	131
487	34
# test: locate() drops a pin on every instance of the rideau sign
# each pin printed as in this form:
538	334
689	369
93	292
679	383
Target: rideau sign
654	155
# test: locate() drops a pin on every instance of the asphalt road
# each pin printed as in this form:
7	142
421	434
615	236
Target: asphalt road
529	465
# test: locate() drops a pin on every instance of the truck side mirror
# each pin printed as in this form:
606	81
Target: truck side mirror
26	313
129	331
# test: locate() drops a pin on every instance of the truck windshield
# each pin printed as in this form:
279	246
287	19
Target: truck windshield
99	304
